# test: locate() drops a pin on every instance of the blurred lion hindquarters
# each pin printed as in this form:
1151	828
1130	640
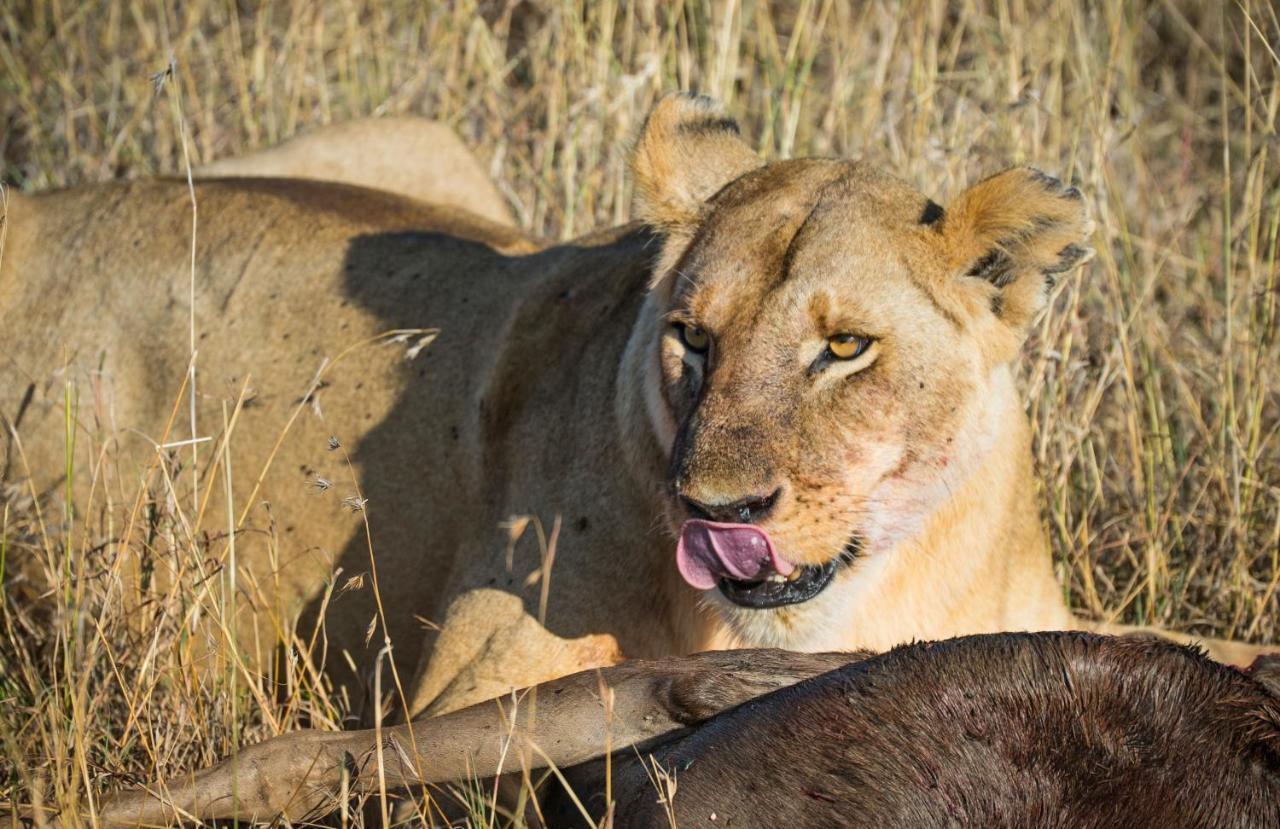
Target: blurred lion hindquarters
407	155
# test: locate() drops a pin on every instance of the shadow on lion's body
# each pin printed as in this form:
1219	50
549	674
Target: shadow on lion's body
435	439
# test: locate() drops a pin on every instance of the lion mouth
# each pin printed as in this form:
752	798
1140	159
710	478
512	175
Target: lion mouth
740	561
803	584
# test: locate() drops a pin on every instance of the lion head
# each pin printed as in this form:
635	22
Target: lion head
828	353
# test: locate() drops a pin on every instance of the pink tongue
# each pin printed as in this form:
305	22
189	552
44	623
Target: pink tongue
709	550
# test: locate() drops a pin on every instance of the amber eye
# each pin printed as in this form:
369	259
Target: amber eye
848	346
694	338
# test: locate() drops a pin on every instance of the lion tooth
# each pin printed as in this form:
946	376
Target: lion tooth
794	574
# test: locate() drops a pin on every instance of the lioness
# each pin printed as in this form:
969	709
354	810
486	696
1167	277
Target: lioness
779	410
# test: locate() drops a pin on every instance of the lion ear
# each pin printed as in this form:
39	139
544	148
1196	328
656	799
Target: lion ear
1011	235
689	149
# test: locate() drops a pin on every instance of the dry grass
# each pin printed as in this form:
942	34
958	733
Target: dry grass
1152	384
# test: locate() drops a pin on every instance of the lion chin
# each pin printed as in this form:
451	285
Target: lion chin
815	625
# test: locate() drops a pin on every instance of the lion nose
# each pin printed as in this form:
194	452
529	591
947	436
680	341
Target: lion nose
749	510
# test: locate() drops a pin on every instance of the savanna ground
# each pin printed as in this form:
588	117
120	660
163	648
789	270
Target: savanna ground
1152	384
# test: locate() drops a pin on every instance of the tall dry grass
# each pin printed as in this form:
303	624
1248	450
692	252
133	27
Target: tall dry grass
1152	384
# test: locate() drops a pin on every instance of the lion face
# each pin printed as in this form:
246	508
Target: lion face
828	344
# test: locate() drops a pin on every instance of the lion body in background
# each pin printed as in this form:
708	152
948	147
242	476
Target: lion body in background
289	273
411	156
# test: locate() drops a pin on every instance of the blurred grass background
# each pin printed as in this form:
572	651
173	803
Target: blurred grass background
1152	384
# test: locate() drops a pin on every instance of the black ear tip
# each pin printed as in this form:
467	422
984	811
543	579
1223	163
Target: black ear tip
1068	258
932	213
1054	184
1046	180
693	113
699	98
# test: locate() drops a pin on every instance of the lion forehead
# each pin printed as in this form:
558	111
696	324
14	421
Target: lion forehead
763	220
792	228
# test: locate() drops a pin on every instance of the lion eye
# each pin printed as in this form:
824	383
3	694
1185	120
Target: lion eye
694	338
848	346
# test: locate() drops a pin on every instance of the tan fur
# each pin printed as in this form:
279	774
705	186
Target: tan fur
484	628
411	156
557	388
